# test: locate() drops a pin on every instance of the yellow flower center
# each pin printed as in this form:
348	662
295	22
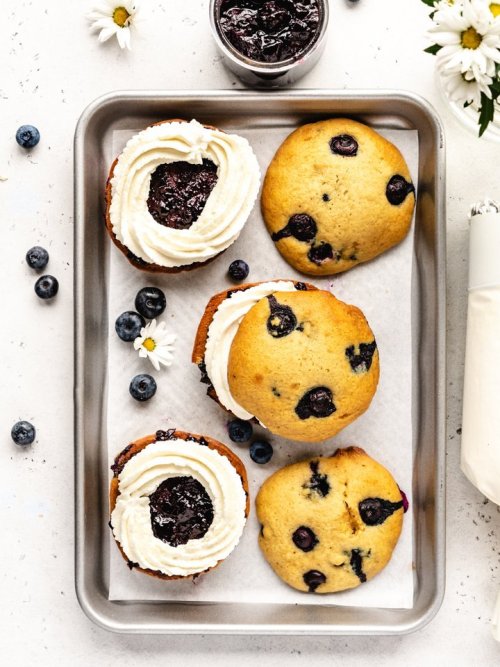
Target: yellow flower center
121	16
495	9
149	344
471	39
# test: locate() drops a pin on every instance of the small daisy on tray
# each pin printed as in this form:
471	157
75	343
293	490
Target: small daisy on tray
466	35
156	343
115	17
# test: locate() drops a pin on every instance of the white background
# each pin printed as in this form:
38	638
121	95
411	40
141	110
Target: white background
50	68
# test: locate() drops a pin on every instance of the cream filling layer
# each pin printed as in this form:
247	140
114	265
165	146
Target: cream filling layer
226	210
222	331
141	476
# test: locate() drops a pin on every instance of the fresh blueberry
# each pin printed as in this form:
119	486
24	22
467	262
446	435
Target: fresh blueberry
261	451
238	270
150	302
128	325
305	539
46	287
37	257
23	433
27	136
239	430
142	387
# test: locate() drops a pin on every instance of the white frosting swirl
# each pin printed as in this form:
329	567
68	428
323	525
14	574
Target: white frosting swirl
226	210
141	476
222	331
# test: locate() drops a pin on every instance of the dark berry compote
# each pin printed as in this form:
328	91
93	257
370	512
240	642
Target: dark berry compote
269	31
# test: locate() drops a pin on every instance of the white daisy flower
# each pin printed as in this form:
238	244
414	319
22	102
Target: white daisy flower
115	17
464	90
156	343
469	35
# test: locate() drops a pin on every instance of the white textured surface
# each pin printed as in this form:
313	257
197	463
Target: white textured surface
50	68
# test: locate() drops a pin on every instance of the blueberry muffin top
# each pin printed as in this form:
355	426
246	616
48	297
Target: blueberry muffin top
336	194
330	524
304	363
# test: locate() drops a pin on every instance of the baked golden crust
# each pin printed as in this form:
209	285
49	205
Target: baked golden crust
345	196
137	261
136	446
314	531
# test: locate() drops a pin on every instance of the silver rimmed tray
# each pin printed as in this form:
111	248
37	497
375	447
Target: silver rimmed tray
382	109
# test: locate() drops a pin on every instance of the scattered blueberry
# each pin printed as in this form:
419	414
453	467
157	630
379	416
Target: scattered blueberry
238	270
150	302
261	451
128	325
282	321
374	511
27	136
317	402
46	287
304	539
344	144
313	579
398	188
300	225
321	253
23	433
142	387
239	430
37	257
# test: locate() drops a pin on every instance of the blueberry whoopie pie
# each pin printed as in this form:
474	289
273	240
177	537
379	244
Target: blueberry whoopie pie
293	357
179	194
178	503
330	523
336	193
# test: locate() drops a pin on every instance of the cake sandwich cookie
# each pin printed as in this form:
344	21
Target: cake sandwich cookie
301	362
179	194
178	503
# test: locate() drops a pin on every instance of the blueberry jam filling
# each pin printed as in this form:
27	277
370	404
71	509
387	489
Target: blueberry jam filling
282	320
313	579
344	144
181	510
317	402
318	483
304	539
357	564
178	192
301	287
398	189
361	363
301	226
374	511
271	31
321	253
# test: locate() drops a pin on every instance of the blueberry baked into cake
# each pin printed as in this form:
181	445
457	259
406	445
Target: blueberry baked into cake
301	362
179	194
336	194
178	503
330	524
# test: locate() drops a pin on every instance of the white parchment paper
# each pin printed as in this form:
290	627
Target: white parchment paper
381	288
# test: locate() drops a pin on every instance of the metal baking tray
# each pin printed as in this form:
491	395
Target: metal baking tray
385	109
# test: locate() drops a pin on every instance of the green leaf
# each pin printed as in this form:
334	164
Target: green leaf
433	49
486	113
430	3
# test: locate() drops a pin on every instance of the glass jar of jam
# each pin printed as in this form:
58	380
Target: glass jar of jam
269	43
